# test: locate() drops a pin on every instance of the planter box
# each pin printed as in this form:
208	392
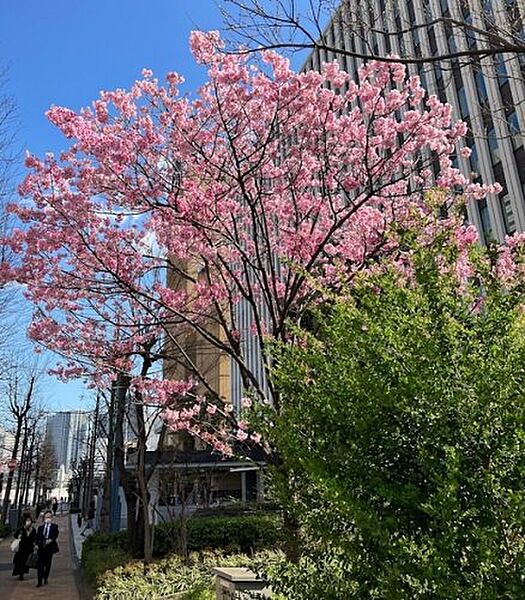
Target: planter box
231	582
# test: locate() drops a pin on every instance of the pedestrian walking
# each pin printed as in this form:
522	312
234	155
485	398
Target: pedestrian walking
46	540
26	536
55	507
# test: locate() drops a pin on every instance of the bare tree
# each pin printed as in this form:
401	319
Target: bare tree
9	155
45	468
20	403
293	25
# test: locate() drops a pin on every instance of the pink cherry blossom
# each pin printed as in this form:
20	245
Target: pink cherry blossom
169	216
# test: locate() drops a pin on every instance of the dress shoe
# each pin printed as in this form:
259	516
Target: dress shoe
38	585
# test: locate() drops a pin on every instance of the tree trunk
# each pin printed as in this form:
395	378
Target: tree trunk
28	470
21	467
292	540
10	476
135	522
142	480
104	524
20	413
88	488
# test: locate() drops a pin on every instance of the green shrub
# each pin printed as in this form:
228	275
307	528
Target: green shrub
5	530
237	509
102	552
96	561
403	426
169	577
246	534
106	540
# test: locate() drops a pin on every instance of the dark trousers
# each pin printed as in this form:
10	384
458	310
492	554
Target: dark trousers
44	565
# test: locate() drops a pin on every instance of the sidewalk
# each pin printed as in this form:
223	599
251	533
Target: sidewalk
62	583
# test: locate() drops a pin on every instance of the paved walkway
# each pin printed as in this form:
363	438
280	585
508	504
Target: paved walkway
62	583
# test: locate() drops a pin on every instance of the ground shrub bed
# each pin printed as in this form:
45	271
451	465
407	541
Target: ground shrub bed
103	552
232	535
174	577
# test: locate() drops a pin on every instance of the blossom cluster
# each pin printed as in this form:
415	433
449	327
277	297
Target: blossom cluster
167	213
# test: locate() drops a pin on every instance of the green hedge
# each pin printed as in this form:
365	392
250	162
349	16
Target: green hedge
238	509
245	534
242	534
102	552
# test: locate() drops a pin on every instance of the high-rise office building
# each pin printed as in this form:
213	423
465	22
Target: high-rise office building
488	93
69	434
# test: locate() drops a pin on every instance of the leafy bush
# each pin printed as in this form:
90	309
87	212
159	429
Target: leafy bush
237	509
96	561
102	552
106	540
403	424
245	534
192	579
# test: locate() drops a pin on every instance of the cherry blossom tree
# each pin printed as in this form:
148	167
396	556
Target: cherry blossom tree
169	216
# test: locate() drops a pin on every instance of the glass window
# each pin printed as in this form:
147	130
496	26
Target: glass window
481	86
519	156
415	38
432	40
474	160
463	105
485	220
493	146
469	34
423	78
514	129
411	13
508	215
451	41
501	69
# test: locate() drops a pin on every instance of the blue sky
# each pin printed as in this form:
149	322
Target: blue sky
65	51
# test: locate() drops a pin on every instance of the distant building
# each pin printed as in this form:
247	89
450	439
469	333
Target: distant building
69	434
7	440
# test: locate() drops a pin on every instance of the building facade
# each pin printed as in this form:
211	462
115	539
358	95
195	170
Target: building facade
487	93
69	434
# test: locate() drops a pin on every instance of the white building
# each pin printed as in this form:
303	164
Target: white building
7	440
69	434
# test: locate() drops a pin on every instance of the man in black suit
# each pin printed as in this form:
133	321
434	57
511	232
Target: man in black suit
46	540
